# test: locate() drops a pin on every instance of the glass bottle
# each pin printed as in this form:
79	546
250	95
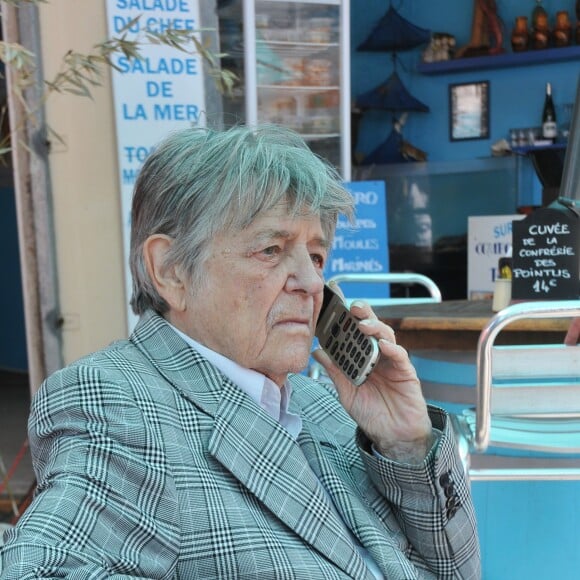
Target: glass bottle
538	13
540	27
577	21
562	29
520	35
549	126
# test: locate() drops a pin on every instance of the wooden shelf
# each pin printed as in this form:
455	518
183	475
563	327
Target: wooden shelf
505	60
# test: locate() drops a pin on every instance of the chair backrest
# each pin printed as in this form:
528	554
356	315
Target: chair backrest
532	390
405	278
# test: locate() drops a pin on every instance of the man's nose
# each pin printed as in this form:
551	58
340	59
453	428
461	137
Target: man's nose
305	276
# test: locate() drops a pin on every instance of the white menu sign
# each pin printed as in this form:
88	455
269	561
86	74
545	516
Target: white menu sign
161	92
489	238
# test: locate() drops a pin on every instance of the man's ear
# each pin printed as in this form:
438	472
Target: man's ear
166	279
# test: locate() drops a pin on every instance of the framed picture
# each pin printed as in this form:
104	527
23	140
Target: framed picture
469	111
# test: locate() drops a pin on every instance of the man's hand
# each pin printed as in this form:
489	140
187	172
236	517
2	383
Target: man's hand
389	406
573	333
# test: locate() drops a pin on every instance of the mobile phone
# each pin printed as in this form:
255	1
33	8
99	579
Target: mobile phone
337	331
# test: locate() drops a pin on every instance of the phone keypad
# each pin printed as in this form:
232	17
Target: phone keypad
351	351
348	347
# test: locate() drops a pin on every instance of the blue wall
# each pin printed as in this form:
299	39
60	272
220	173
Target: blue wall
516	94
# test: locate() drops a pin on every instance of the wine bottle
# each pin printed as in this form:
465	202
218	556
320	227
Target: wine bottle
549	126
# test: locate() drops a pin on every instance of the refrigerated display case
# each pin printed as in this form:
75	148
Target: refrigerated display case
293	58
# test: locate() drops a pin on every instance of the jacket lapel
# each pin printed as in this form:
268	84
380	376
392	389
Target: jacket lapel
268	462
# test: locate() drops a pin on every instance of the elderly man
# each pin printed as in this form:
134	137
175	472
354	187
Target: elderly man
194	449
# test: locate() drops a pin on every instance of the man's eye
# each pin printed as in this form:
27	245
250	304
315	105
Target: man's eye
272	251
317	260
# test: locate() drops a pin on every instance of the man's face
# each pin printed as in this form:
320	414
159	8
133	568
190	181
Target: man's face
263	294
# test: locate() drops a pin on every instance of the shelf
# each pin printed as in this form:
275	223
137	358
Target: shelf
295	49
319	136
505	60
294	44
431	168
299	88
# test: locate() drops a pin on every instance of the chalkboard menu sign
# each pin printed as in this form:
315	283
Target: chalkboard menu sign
546	254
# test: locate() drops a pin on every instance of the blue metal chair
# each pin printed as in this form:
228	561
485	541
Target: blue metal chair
404	278
525	424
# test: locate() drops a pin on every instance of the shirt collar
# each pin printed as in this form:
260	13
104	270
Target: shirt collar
265	392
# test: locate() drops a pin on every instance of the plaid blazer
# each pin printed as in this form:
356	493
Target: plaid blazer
151	464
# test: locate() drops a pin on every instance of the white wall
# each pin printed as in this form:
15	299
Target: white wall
84	186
